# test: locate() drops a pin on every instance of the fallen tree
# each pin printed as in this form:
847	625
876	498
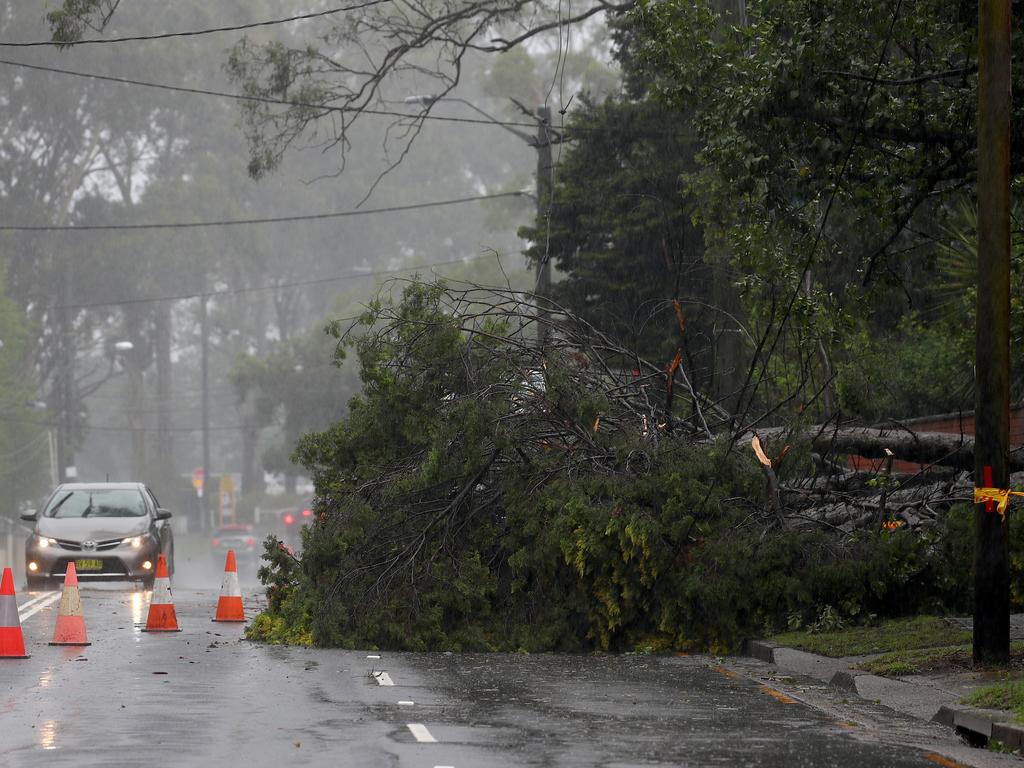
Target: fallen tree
936	448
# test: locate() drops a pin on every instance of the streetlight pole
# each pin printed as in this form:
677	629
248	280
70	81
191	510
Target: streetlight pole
992	340
204	335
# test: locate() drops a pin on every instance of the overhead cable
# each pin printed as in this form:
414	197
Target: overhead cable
194	32
272	287
269	99
260	220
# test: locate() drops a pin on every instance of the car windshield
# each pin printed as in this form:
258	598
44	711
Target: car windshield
96	503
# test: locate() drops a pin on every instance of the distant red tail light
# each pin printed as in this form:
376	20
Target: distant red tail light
289	519
215	542
307	513
250	541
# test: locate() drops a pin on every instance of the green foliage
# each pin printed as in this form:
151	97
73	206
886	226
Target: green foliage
620	233
835	138
457	511
288	616
914	372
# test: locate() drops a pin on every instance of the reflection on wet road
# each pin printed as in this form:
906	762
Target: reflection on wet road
207	697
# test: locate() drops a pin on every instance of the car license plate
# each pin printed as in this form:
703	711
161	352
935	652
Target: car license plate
89	565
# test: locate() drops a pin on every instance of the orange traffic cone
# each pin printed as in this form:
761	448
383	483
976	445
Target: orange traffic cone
162	617
12	642
70	621
229	606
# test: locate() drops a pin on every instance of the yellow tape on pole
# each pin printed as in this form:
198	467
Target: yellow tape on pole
1000	496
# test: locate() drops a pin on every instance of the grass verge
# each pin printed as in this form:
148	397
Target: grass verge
889	636
1007	695
954	658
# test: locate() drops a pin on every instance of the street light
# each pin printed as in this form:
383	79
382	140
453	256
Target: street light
542	143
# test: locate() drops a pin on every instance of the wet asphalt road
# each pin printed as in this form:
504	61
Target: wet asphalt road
205	697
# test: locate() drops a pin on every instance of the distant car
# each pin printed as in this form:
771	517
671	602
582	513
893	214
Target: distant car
239	537
110	531
293	520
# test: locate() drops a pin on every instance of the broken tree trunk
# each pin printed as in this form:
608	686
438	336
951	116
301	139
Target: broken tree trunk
940	448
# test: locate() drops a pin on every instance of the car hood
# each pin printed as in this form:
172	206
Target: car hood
98	529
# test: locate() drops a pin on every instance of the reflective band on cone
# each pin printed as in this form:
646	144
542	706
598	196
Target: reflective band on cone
70	620
12	642
162	617
229	606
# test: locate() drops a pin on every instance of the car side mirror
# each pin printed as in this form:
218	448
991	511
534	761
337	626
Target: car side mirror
29	515
163	514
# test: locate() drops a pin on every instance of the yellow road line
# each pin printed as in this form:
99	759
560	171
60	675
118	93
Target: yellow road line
778	695
945	762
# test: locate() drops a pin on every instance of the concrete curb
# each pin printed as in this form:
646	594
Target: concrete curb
909	697
762	650
982	724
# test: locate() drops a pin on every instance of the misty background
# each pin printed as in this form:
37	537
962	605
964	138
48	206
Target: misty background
102	329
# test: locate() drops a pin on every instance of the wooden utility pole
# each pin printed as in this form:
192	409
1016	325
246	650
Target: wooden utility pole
992	340
544	191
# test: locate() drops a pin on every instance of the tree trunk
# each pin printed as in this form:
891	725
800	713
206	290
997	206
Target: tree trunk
940	448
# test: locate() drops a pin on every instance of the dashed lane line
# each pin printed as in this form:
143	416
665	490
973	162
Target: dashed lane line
48	600
421	734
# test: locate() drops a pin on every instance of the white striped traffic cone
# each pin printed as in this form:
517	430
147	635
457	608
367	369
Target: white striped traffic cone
70	628
162	617
12	641
229	606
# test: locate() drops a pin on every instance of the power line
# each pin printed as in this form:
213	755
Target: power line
111	428
272	287
194	32
243	222
262	99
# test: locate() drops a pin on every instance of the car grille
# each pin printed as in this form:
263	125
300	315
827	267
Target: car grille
76	546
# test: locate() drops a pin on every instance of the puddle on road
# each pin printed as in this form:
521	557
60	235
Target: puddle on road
48	734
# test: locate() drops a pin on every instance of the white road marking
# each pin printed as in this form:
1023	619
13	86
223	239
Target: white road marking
374	656
383	678
29	603
420	732
50	599
406	703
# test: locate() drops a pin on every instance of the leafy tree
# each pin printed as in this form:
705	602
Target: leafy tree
835	140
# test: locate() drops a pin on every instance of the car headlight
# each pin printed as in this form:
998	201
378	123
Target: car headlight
44	542
135	541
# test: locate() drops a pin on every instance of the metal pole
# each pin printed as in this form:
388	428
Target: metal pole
204	333
543	269
992	340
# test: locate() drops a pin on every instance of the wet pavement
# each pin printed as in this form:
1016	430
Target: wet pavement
206	697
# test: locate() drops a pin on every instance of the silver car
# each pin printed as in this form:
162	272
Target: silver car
111	531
